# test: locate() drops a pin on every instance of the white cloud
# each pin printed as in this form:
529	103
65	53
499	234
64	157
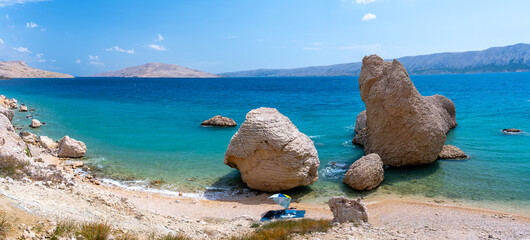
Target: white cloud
317	44
367	47
7	16
4	3
39	55
78	61
22	50
94	60
157	47
312	49
1	41
53	60
364	2
118	49
159	38
31	24
368	17
41	60
234	37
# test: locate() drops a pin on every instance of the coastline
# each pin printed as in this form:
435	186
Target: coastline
36	203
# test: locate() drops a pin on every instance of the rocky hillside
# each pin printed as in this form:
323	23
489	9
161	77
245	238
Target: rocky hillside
513	58
157	70
19	69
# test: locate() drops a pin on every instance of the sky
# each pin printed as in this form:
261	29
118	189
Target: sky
88	37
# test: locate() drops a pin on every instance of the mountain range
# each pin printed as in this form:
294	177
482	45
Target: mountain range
157	70
513	58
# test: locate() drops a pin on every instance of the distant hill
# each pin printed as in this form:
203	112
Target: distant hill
19	69
157	70
513	58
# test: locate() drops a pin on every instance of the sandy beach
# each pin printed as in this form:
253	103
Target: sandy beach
36	207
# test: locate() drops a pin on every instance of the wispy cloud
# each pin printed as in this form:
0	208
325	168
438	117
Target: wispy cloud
317	43
1	41
364	2
311	49
157	47
31	25
94	60
371	48
4	3
7	16
22	50
78	61
368	17
118	49
234	37
159	38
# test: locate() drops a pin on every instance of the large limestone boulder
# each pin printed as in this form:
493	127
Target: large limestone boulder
402	126
48	143
8	113
219	121
71	148
271	154
452	152
366	173
348	210
35	123
28	137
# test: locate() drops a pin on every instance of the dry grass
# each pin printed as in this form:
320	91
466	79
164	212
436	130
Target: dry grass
174	237
11	167
5	225
95	231
283	230
126	236
64	228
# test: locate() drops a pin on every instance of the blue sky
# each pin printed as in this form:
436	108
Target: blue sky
87	37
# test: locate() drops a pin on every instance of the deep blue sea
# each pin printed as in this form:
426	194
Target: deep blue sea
147	129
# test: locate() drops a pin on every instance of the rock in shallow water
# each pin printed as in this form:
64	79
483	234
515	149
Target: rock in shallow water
452	152
219	121
35	123
402	126
71	148
348	210
48	143
511	130
271	154
366	173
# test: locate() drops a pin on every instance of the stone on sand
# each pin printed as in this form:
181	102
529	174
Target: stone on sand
366	173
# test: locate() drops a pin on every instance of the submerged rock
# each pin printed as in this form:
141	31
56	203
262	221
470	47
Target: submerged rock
366	173
402	126
271	153
451	152
71	148
35	123
511	130
219	121
348	210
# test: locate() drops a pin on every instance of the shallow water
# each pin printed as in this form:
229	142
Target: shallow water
150	129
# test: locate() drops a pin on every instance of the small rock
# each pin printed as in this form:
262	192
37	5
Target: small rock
35	123
511	130
451	152
366	173
23	108
219	121
348	210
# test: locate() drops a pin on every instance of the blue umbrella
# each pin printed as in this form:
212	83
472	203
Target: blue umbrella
281	199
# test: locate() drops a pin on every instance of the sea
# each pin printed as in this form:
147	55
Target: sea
145	133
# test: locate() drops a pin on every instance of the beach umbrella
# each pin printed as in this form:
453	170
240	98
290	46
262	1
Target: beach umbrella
281	199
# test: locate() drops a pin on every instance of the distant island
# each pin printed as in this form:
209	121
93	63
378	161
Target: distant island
157	70
19	69
513	58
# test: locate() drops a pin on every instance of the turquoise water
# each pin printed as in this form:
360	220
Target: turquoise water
150	129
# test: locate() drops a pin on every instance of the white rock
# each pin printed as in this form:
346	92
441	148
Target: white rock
71	148
35	123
